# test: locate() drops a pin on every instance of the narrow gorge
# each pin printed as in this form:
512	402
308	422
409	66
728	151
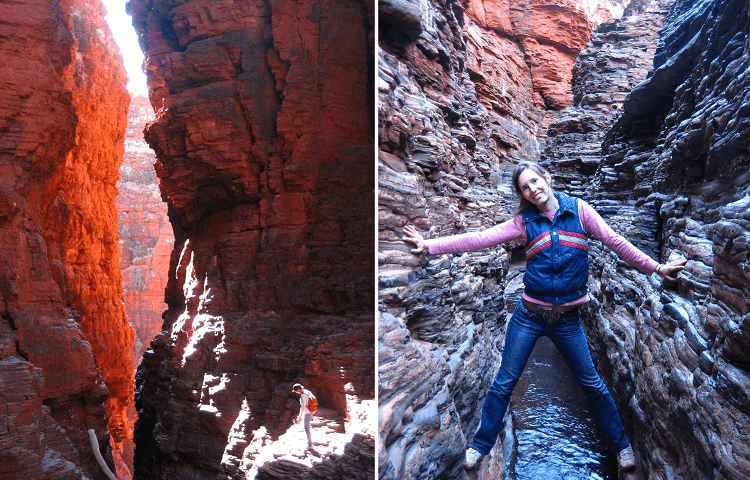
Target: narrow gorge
146	237
639	108
229	217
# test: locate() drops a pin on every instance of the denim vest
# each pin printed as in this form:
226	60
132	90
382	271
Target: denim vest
557	253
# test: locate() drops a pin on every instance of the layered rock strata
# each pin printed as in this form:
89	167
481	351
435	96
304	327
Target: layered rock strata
146	238
675	177
617	58
65	364
264	146
465	90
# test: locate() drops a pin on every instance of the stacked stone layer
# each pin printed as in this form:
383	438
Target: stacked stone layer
465	91
65	364
675	178
264	146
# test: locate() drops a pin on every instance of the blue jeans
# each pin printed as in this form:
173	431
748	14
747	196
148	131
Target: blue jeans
524	329
306	422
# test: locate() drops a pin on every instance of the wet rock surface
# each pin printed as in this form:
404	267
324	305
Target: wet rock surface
146	238
263	139
65	364
553	428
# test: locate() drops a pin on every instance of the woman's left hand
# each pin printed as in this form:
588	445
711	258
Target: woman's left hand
670	270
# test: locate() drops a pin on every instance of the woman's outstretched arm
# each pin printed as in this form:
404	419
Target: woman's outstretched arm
594	224
467	242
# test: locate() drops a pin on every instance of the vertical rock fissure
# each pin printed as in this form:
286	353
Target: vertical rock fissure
144	230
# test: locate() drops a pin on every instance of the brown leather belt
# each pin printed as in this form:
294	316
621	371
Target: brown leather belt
550	315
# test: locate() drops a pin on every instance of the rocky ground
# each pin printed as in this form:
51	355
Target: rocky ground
332	435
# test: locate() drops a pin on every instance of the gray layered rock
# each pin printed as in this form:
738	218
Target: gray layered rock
463	94
657	141
677	160
617	58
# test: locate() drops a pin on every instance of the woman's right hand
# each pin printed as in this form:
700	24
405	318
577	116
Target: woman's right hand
411	235
670	270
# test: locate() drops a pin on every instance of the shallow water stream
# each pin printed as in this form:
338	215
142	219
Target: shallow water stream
555	434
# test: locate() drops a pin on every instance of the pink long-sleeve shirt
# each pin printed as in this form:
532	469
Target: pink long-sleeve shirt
514	229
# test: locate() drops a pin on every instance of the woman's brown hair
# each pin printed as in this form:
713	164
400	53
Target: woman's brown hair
523	204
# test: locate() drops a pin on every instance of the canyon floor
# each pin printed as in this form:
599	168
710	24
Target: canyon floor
288	455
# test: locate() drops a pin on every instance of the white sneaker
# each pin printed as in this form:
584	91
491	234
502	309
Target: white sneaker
472	458
625	458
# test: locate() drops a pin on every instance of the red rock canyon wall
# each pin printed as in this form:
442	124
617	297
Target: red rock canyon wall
65	363
264	146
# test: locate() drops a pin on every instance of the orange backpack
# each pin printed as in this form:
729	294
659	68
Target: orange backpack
312	402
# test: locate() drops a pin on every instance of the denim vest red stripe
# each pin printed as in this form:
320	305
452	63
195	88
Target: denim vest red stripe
557	253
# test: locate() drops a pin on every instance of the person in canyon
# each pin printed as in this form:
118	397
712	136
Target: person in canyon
305	410
555	228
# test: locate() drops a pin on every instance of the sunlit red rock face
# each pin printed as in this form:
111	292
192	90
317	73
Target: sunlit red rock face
146	238
465	91
264	147
549	33
65	345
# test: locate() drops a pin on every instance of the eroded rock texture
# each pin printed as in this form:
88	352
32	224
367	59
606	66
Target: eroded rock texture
675	178
264	146
65	344
146	238
617	58
465	90
667	167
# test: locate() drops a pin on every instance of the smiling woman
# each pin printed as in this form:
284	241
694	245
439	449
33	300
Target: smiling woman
121	25
555	228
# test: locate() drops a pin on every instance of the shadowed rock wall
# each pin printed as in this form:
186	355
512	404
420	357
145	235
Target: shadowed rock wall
264	145
465	90
146	238
65	363
675	178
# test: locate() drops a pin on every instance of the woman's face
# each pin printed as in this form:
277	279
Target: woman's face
535	188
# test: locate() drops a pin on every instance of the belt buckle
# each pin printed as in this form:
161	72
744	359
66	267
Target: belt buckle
550	315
